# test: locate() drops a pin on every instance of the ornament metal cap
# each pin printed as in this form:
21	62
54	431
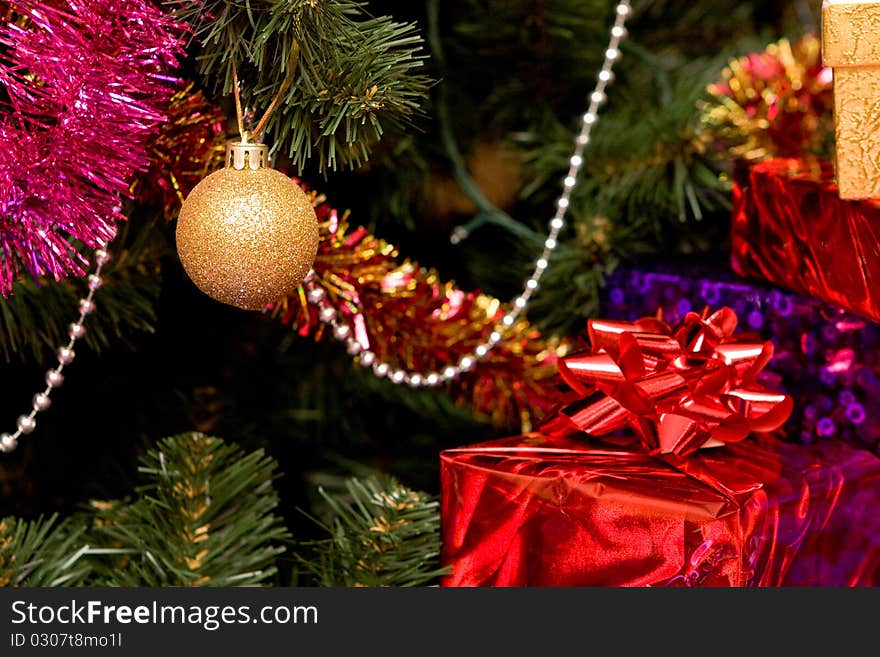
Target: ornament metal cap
243	154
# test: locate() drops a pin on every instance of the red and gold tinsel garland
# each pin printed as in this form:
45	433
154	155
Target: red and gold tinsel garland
409	317
776	103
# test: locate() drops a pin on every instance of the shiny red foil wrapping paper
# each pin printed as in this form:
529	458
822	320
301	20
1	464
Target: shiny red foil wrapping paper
537	510
791	228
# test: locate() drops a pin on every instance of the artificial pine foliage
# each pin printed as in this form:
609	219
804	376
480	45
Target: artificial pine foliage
354	73
35	317
206	517
44	552
381	533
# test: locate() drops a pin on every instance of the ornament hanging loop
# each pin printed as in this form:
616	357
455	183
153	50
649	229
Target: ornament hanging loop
257	133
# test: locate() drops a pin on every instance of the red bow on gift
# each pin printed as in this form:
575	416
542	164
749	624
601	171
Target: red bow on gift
680	388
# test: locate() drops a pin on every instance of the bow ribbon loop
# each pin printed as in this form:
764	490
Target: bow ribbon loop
680	388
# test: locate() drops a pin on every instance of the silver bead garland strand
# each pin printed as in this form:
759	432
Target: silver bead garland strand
342	332
65	354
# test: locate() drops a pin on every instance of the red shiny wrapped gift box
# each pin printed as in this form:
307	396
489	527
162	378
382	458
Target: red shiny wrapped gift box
791	227
540	510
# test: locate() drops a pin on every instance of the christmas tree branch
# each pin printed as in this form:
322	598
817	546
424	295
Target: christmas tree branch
43	552
205	519
356	75
34	319
381	534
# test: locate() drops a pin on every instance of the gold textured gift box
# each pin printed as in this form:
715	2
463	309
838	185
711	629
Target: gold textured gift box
851	46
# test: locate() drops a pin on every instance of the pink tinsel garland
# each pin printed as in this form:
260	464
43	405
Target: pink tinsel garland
87	83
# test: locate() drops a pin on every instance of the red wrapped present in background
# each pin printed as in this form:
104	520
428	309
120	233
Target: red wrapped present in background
539	510
646	506
791	228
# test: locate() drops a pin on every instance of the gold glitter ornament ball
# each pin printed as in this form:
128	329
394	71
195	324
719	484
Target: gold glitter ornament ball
247	235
